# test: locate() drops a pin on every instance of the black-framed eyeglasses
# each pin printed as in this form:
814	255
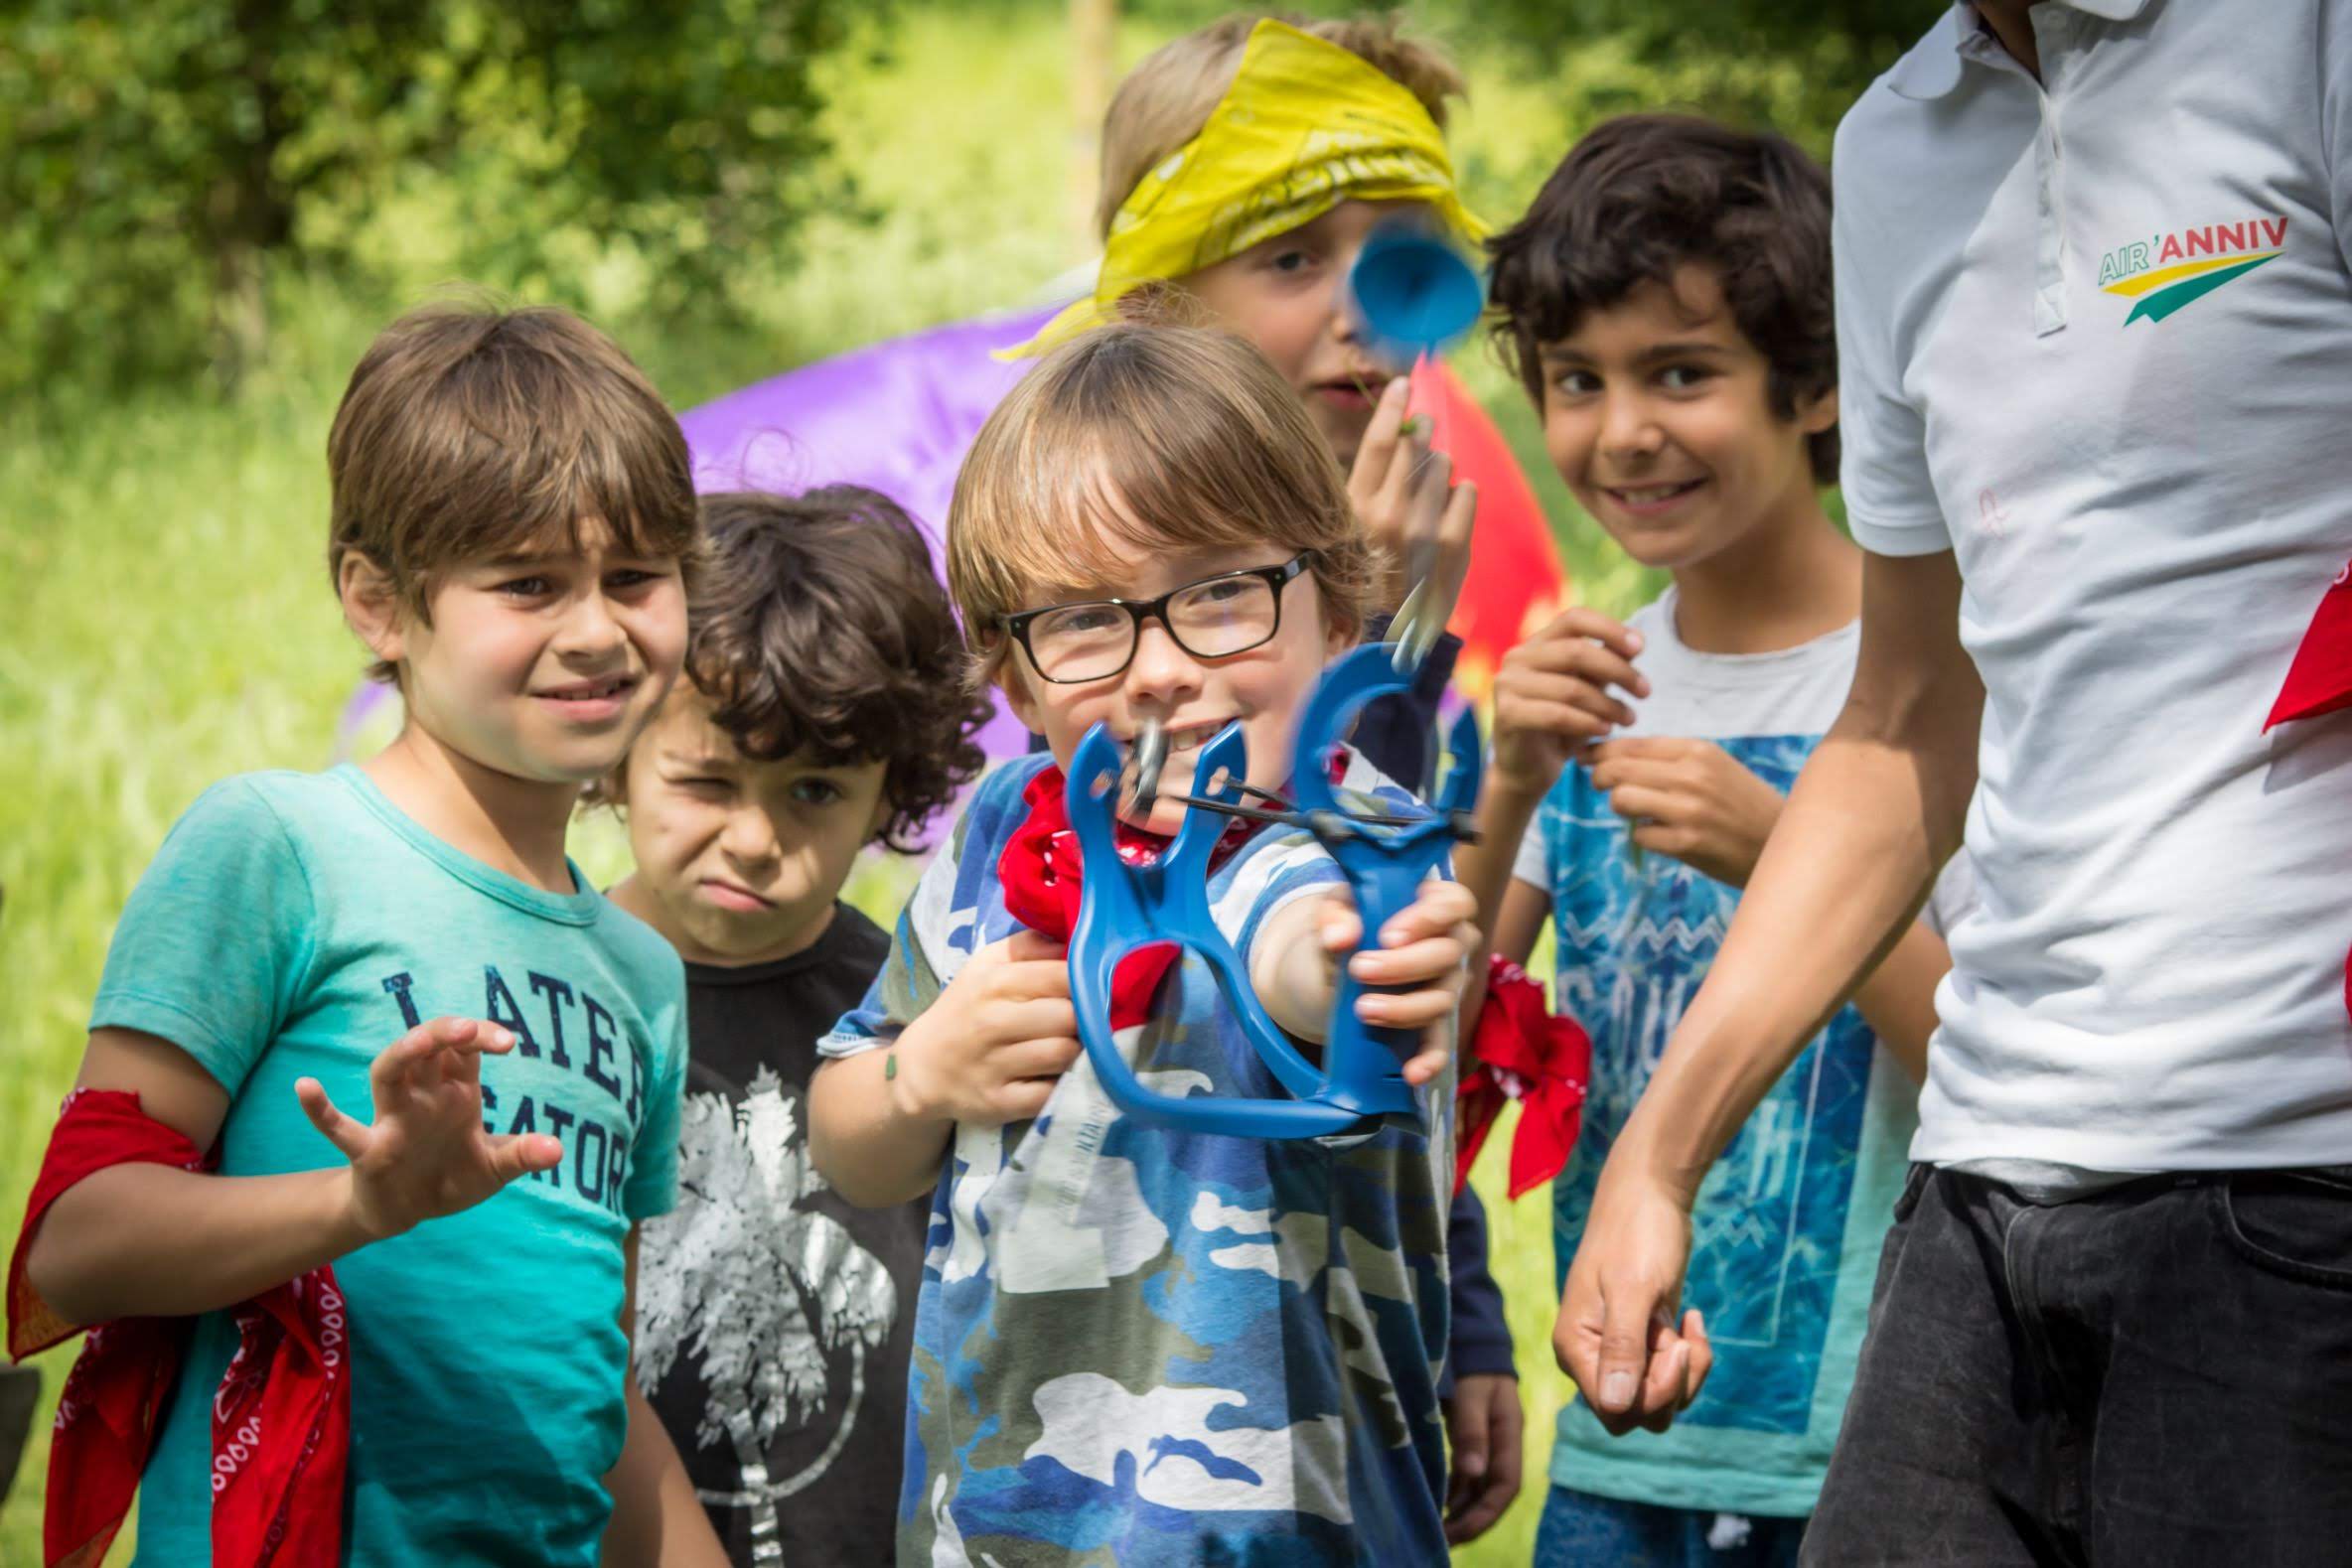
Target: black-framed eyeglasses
1214	618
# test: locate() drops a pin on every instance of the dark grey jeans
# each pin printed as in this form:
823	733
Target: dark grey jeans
2158	1374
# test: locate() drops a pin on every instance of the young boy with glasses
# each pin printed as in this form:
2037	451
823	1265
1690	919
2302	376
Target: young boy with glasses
1244	167
1136	1341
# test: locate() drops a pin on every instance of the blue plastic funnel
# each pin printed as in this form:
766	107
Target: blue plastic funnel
1413	293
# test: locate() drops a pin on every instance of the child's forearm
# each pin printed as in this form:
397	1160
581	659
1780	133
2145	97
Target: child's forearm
869	1133
1898	1000
1484	868
153	1241
656	1517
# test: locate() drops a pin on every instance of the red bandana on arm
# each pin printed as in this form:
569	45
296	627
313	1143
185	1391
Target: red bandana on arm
1519	1052
2320	678
281	1417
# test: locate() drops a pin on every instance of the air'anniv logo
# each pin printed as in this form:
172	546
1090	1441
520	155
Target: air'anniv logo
2165	272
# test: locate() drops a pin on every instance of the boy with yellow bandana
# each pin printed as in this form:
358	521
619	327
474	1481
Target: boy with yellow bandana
1244	167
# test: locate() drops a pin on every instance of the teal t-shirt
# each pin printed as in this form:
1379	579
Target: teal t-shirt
295	924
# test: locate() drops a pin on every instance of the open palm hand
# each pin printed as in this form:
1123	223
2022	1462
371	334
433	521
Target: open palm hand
426	1154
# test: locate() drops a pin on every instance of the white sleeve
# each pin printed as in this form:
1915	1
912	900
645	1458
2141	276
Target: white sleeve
1890	501
1953	896
1532	864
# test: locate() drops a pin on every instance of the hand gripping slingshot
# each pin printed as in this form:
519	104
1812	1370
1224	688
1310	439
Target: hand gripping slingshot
1385	860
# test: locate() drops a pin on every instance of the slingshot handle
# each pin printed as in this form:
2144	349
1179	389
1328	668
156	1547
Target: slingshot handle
1125	906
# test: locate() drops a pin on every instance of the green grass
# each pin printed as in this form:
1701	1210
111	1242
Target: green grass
164	616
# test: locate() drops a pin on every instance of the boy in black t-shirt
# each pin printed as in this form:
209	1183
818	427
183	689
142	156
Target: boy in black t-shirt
824	709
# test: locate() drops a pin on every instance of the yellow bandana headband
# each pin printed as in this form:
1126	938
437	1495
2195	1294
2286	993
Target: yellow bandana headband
1305	126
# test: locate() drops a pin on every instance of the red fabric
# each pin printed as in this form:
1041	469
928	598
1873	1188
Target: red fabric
1519	1052
2320	678
1043	874
281	1417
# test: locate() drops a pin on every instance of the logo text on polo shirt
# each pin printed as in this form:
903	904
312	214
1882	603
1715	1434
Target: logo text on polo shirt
2171	270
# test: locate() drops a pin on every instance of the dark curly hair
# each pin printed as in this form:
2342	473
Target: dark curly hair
1642	194
820	630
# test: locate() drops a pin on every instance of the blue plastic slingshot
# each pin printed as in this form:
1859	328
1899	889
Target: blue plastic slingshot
1359	1082
1413	293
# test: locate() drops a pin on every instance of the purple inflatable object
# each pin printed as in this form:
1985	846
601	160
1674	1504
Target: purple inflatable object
896	417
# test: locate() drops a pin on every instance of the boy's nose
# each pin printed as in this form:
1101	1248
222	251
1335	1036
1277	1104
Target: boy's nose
1162	670
1335	301
1627	425
748	838
588	626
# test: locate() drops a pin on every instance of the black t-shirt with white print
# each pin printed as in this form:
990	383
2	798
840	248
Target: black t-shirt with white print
775	1321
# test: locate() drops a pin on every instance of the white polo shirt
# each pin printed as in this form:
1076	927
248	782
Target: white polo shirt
2095	337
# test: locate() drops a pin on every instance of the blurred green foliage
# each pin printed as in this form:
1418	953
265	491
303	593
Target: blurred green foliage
159	162
1790	66
164	166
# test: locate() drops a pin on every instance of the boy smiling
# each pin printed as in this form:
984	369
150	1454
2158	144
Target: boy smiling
1667	302
512	523
1136	1341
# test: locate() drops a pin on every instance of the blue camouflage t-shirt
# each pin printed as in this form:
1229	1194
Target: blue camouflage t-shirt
295	924
1149	1348
1785	1231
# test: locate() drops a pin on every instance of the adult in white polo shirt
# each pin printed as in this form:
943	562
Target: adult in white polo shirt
2096	391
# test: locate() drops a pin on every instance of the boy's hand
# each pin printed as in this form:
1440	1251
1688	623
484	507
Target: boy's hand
1552	696
1484	1428
991	1048
426	1154
1617	1335
1691	799
1425	946
1409	503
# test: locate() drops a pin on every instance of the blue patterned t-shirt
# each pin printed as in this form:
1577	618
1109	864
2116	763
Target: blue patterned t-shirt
1785	1231
1145	1346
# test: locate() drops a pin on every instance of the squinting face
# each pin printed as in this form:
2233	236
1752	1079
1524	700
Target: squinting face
1262	687
1288	297
1658	413
742	858
545	666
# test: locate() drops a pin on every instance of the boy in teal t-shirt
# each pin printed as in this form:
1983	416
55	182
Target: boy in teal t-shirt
1667	300
511	519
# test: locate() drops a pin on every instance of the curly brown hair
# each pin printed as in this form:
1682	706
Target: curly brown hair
1642	194
820	630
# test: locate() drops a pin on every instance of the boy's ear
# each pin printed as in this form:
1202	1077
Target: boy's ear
1339	632
1009	681
1819	414
371	606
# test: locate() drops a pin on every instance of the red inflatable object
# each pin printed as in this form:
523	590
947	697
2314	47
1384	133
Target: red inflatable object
1516	581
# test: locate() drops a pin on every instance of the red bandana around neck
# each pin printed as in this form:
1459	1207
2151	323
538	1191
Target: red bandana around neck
1044	874
1519	1052
281	1417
